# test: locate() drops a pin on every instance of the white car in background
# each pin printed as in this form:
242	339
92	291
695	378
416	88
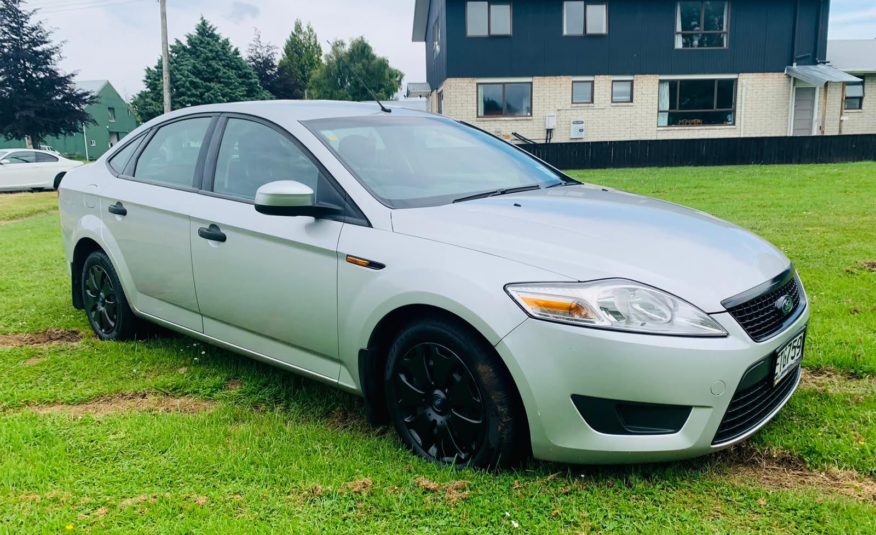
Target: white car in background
27	169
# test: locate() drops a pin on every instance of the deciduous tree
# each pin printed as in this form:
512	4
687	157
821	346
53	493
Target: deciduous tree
353	72
302	56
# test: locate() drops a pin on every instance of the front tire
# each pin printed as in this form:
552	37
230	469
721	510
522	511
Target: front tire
451	400
104	300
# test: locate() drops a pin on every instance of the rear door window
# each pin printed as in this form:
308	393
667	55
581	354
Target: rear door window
171	157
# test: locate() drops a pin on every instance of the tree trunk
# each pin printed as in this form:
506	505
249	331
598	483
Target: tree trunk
28	142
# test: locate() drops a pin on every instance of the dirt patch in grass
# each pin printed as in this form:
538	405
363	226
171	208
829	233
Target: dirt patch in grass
137	402
51	336
779	470
360	486
832	382
454	492
869	265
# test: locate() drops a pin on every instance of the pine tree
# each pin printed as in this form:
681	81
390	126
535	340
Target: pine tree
205	69
36	99
302	56
353	72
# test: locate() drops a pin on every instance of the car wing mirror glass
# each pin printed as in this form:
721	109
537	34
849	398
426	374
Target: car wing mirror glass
291	198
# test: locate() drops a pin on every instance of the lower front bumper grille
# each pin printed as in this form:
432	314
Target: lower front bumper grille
753	403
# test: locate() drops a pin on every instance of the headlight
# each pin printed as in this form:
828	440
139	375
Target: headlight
616	304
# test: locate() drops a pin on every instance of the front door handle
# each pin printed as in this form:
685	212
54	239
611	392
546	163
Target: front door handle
118	209
212	233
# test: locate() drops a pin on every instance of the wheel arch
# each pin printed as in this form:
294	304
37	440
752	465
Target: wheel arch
84	247
372	359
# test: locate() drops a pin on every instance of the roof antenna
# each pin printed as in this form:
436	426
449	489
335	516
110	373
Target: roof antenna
383	108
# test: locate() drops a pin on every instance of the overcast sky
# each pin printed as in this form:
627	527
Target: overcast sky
117	39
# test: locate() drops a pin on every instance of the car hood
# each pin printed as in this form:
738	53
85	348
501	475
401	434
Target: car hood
589	232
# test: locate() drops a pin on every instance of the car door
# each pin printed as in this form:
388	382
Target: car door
46	167
19	170
266	283
146	210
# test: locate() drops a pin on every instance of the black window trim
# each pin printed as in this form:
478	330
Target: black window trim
490	4
726	30
504	115
675	98
632	91
199	166
592	91
584	28
352	213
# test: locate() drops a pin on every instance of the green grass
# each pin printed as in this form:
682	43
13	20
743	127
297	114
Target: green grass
275	452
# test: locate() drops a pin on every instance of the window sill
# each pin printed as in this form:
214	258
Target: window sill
701	127
506	118
622	104
853	111
583	104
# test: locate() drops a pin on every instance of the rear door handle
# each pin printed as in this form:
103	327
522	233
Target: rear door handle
212	233
118	209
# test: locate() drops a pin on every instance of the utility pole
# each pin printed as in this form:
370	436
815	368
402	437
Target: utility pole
165	59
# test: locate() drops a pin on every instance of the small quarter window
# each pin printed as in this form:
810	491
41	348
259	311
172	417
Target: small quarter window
42	157
120	159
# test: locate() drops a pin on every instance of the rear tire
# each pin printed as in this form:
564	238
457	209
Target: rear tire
104	301
451	400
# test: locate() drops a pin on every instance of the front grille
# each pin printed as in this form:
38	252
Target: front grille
759	315
751	404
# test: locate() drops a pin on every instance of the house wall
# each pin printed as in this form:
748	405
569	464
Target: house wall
97	133
763	102
861	121
765	36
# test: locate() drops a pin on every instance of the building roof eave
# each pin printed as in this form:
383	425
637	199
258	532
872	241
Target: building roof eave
421	20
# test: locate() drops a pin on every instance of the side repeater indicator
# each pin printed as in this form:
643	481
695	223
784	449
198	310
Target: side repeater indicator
361	262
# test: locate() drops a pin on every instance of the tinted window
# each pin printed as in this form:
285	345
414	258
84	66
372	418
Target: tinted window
172	154
252	154
120	159
427	161
514	99
21	156
42	157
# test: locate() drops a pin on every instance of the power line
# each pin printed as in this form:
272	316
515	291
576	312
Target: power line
88	4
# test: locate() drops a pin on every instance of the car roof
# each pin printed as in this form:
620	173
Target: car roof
294	110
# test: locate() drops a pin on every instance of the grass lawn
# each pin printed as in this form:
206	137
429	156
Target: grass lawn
169	435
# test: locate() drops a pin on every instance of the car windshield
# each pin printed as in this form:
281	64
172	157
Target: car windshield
411	162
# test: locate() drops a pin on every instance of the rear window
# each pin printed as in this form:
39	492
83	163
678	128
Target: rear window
42	157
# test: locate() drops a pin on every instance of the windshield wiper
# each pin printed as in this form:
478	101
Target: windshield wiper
503	191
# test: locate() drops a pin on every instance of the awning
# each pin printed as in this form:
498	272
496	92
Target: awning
819	75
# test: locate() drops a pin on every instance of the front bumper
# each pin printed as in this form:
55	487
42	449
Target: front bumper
552	362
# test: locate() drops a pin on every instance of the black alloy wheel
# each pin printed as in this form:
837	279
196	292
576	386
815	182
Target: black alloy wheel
442	407
101	300
104	300
450	398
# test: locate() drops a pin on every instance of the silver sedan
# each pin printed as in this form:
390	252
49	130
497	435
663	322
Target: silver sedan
482	302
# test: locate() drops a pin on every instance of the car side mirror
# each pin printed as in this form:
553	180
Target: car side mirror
291	198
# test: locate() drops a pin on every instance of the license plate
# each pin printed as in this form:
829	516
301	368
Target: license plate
788	357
